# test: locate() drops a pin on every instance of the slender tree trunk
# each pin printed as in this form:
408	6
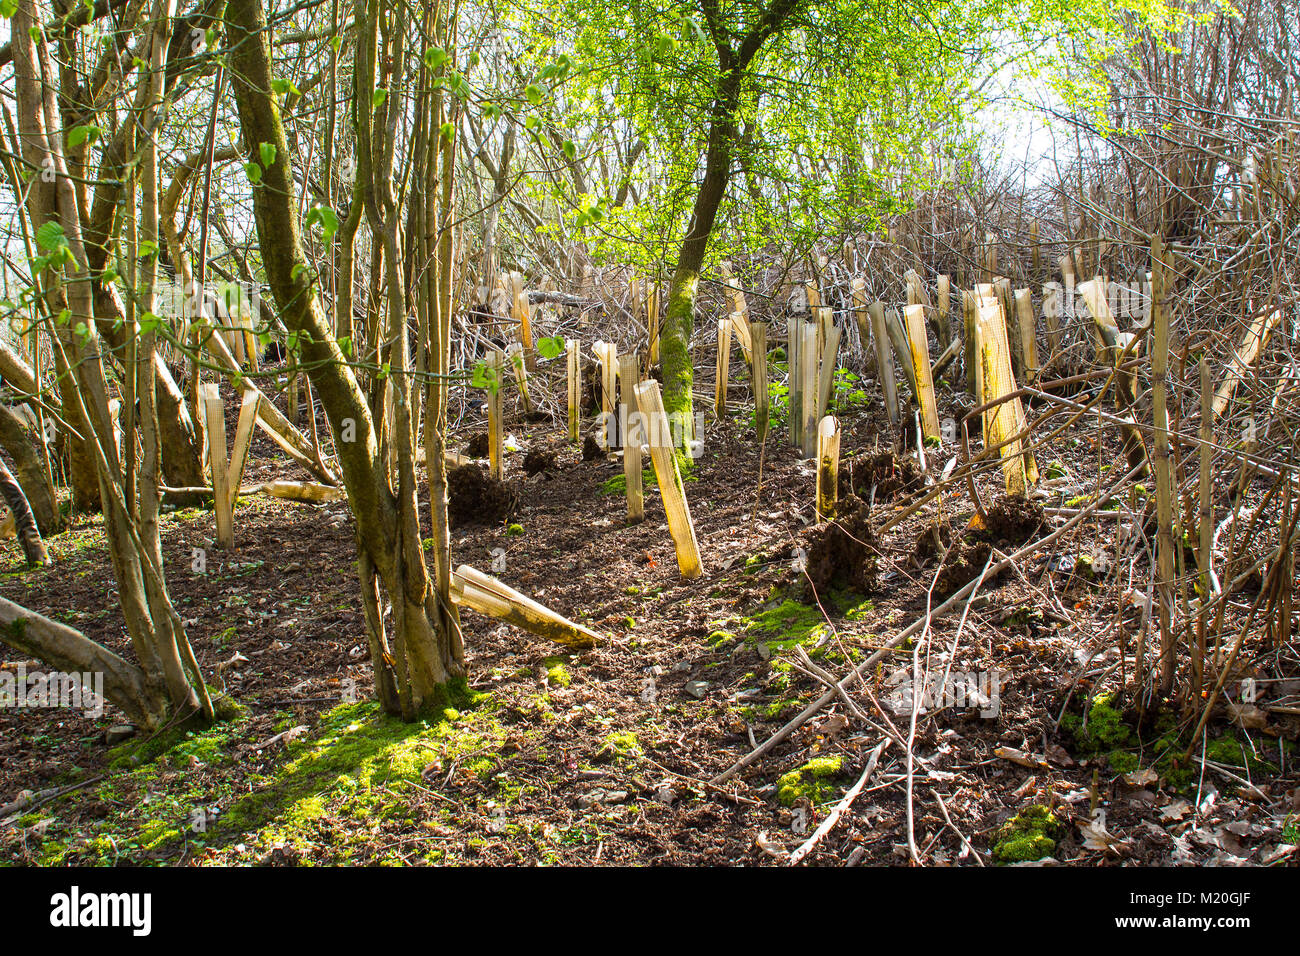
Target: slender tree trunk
411	672
679	318
18	441
24	524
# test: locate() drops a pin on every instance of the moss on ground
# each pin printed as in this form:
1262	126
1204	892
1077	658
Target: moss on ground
624	743
1030	835
617	485
1109	733
360	765
1121	761
817	781
1105	729
557	674
788	622
191	737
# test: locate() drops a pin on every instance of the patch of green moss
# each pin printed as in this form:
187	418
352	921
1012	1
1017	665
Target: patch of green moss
1030	835
787	624
774	710
617	485
361	763
191	737
514	530
1121	761
816	780
556	673
1232	752
858	611
791	622
624	743
1105	729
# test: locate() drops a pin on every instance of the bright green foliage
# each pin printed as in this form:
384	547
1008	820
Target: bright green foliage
837	110
785	120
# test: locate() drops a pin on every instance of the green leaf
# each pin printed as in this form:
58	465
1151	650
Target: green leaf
326	217
533	93
81	134
447	131
434	57
484	376
8	8
148	249
551	346
267	151
50	236
377	98
345	345
281	87
254	172
570	150
336	42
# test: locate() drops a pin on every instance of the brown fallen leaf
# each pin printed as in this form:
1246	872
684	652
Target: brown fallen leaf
1143	777
1019	756
1097	837
1248	715
1176	810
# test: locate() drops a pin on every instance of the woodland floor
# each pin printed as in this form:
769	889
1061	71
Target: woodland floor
603	756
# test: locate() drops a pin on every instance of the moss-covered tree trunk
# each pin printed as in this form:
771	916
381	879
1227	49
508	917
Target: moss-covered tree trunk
679	318
736	51
167	684
416	664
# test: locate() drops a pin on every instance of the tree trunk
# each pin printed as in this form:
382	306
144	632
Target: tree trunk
415	672
163	687
679	318
71	651
24	524
16	438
